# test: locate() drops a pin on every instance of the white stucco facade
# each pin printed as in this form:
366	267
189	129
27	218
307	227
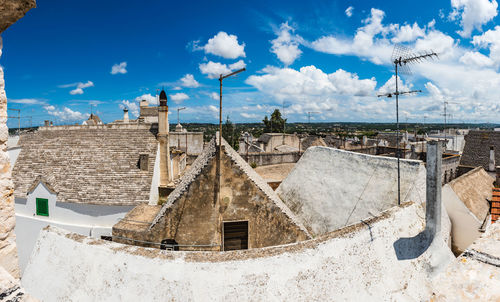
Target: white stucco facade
84	219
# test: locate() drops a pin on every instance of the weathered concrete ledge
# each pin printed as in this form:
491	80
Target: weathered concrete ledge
355	263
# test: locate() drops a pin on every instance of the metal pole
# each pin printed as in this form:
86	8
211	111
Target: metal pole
397	133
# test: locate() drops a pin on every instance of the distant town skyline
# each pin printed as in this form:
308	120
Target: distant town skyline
333	57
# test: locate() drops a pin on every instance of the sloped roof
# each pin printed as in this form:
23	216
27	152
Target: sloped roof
332	188
477	148
94	166
203	159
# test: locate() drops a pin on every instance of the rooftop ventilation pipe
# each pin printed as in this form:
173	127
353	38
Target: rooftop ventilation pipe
125	115
492	159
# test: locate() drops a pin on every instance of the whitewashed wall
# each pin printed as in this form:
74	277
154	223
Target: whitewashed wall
84	219
359	263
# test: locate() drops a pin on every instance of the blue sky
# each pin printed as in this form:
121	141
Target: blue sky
331	57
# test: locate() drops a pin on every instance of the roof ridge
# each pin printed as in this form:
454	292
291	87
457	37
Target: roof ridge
262	185
186	180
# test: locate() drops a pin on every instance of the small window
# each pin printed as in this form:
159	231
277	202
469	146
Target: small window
42	207
108	238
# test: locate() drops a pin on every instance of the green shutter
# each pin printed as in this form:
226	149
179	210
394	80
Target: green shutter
42	207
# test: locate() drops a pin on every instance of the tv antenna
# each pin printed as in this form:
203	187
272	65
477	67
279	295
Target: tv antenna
445	115
309	115
179	109
402	57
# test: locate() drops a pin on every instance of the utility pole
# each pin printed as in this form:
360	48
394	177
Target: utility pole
402	57
18	117
309	115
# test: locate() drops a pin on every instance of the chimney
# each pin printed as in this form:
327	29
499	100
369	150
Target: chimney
492	159
125	115
46	123
498	177
163	138
51	124
143	103
433	189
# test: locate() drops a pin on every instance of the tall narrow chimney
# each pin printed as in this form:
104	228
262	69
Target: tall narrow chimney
492	159
163	138
125	115
433	188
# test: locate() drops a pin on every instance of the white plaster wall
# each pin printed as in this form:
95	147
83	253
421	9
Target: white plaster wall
356	265
85	219
194	141
13	155
464	224
331	188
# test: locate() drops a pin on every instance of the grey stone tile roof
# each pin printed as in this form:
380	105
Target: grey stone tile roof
477	148
94	166
204	159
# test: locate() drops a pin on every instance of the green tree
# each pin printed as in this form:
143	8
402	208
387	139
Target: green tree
230	134
276	123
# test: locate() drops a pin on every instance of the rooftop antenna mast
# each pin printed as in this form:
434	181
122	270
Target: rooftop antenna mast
309	115
179	109
444	114
18	117
402	57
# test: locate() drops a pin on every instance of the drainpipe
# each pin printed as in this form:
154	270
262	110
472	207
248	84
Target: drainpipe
433	188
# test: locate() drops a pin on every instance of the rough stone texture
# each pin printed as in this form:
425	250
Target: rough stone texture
92	166
357	263
475	275
331	188
477	148
10	12
13	10
10	289
193	215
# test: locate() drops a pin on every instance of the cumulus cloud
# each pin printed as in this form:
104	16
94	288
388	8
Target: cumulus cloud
491	40
286	45
310	87
189	81
473	14
409	33
148	97
65	114
390	86
214	96
179	97
132	107
223	45
477	59
214	69
119	68
79	87
213	109
249	115
348	11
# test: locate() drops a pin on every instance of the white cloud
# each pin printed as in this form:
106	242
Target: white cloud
310	87
132	107
237	65
214	69
214	96
79	87
409	33
491	40
473	14
224	45
249	115
189	81
65	114
179	97
286	45
348	11
27	101
213	109
390	86
148	97
477	59
119	68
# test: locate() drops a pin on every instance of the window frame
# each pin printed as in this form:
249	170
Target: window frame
37	211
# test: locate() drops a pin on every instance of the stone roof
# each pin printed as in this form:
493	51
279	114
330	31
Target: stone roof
203	159
477	148
94	166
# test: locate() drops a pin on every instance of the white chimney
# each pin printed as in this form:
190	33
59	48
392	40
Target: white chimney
125	115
